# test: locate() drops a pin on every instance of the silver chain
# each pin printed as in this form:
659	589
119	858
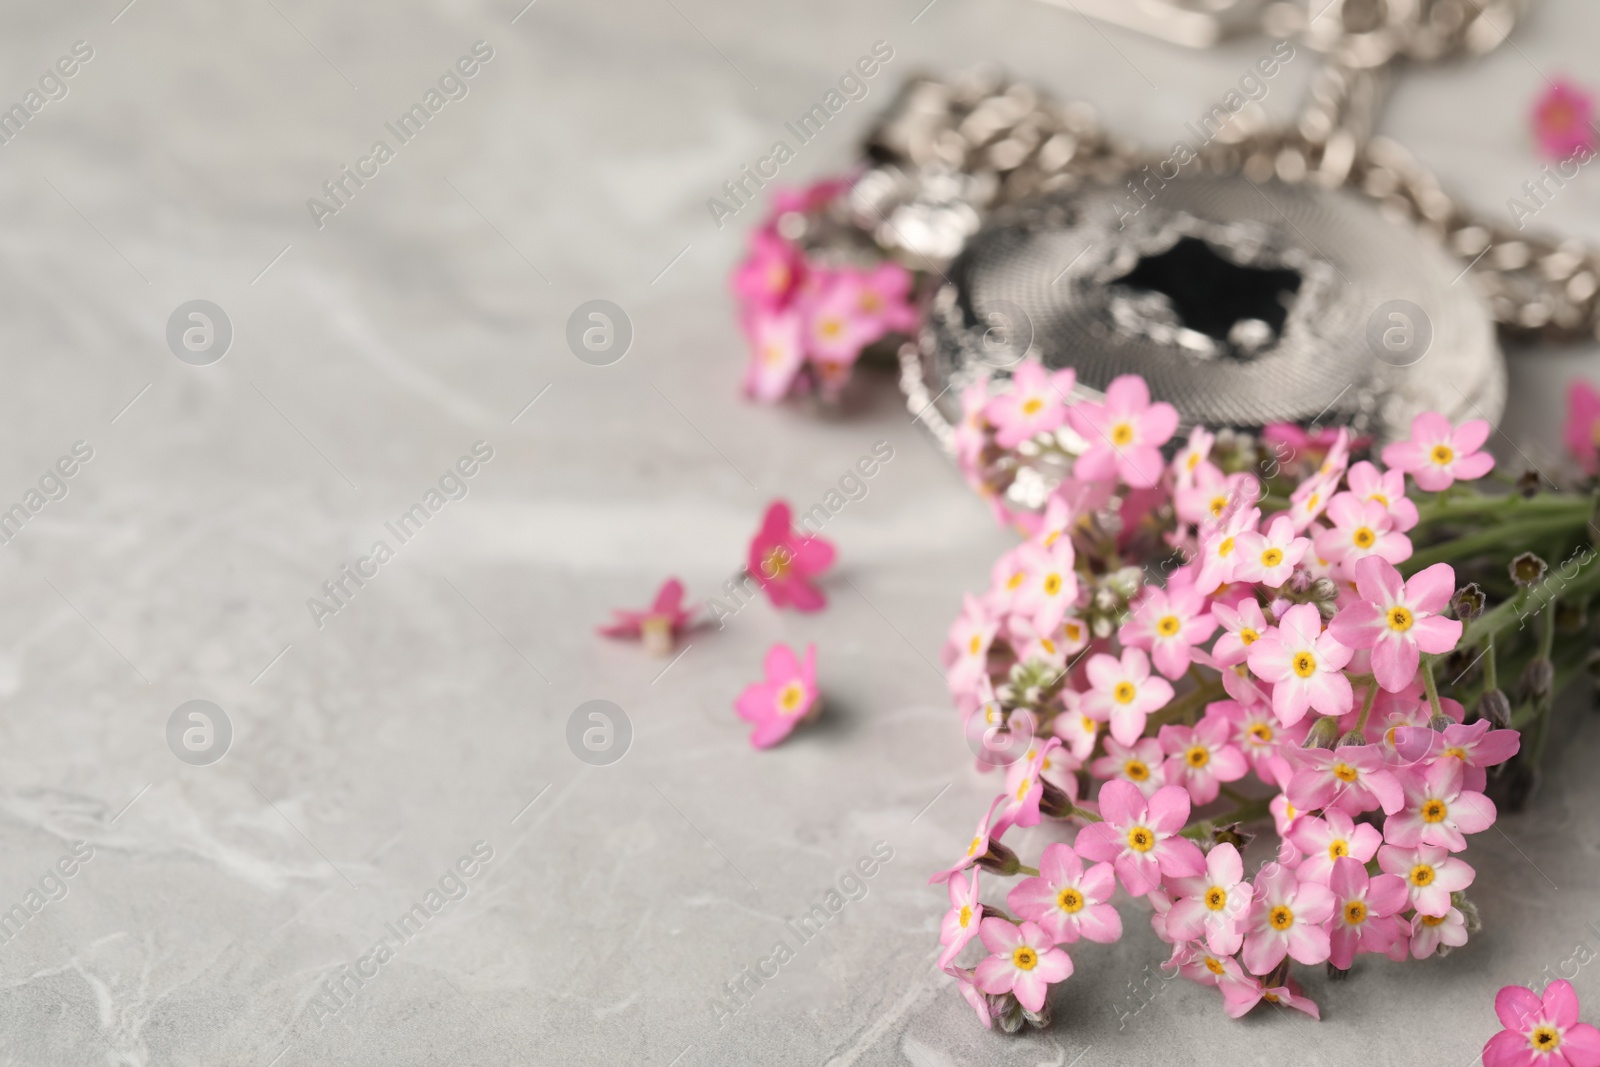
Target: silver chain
1003	141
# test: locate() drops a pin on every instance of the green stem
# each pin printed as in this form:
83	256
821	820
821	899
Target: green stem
1516	534
1366	707
1246	812
1430	685
1023	868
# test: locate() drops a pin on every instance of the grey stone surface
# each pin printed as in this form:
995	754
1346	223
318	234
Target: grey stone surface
429	713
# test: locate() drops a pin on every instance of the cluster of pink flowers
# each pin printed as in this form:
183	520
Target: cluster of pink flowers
785	564
808	319
1276	666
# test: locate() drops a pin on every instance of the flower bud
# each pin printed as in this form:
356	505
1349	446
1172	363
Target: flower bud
1495	706
1538	678
1528	569
1469	911
1326	610
1528	483
1232	834
1354	737
1440	722
1007	1011
1324	733
1468	602
1324	589
1039	1019
1336	974
1000	860
1299	583
1054	802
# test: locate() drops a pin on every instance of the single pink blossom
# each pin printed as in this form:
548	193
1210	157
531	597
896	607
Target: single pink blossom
1360	529
1214	496
1193	458
1125	434
1168	623
960	923
988	834
1304	665
1386	488
1239	997
1286	918
1198	964
1261	737
1431	874
1330	838
1076	730
783	561
1364	911
835	330
1050	587
1563	121
1035	404
1430	932
1541	1031
966	653
1026	779
1140	837
1476	745
1067	900
1220	550
1350	778
770	276
1201	758
1139	763
965	980
659	625
884	299
1024	962
1398	619
1123	693
1582	431
1243	625
1437	454
776	354
1438	811
1213	906
1269	558
784	699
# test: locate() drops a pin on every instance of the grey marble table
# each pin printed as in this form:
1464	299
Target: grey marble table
410	747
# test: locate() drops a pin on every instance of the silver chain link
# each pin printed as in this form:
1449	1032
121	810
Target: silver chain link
1006	142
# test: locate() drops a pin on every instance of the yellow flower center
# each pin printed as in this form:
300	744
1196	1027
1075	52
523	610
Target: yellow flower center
790	697
1433	920
1015	580
1226	548
1024	958
1434	810
1198	756
1069	900
1380	499
1219	504
1051	538
1122	434
1261	732
1363	537
870	301
1281	917
1140	839
1022	789
772	354
1216	898
1089	725
1052	584
1305	664
830	328
1249	636
1288	810
1214	965
1400	619
776	563
1124	693
975	644
1337	849
1048	645
1032	405
972	849
1345	773
1355	913
1442	454
1193	461
1422	874
1073	631
1136	770
1544	1039
1272	557
1168	626
966	915
1457	751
